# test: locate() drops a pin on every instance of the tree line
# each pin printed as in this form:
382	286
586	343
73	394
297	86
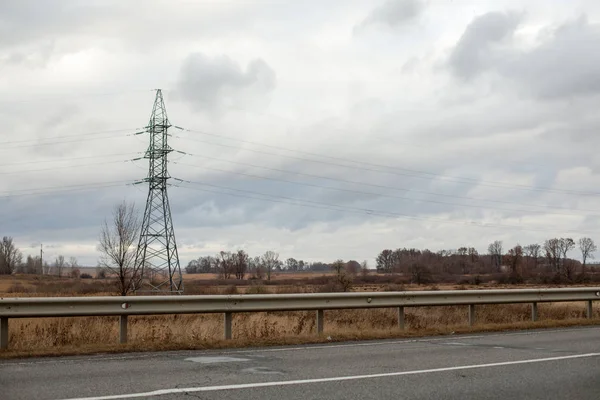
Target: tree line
239	265
550	257
11	261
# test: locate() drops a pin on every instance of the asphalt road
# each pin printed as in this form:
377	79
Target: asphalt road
546	364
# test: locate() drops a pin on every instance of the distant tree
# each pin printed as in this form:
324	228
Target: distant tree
100	272
270	261
59	265
419	273
343	278
240	261
532	252
352	267
225	264
192	267
552	250
513	259
291	264
364	268
73	263
587	248
117	246
338	266
495	251
566	245
385	261
10	256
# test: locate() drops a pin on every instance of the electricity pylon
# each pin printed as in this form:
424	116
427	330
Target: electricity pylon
157	260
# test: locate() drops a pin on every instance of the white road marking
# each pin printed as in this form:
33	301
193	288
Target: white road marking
163	392
217	359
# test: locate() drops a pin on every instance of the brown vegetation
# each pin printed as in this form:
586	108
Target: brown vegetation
99	334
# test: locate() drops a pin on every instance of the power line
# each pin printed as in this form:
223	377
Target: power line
357	210
68	159
372	193
388	187
431	175
63	142
60	189
74	96
62	167
69	136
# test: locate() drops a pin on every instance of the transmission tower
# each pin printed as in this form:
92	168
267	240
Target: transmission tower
157	258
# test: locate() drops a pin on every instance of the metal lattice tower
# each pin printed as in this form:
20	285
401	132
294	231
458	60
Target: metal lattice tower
157	258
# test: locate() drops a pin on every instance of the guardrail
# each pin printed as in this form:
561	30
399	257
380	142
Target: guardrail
229	304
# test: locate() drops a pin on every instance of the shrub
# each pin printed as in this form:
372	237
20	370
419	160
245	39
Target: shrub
85	276
257	289
231	289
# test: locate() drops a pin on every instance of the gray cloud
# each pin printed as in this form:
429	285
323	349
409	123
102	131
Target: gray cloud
474	51
393	13
565	63
362	100
207	83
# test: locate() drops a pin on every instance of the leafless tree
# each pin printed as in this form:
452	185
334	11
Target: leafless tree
566	245
532	252
587	247
552	249
10	256
495	251
270	260
117	245
364	268
240	260
59	265
513	259
343	278
226	264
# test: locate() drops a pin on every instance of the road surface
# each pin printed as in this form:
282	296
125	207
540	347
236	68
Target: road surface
545	364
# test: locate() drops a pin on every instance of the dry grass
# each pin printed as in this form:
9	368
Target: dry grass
50	336
60	336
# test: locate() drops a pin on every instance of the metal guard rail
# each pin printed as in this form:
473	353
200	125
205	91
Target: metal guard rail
32	307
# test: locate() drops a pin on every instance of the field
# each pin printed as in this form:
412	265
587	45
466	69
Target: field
100	334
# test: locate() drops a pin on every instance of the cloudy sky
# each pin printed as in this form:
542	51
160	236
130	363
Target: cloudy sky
321	130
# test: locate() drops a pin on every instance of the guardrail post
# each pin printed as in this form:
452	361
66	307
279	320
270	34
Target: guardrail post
320	318
123	329
534	312
471	314
228	318
401	318
3	333
590	310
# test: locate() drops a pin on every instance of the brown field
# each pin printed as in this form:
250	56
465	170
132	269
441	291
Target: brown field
49	336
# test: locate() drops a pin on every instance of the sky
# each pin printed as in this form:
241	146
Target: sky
320	130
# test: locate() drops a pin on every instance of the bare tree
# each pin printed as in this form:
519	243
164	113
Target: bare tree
343	278
117	245
532	252
226	264
513	259
240	260
552	249
587	247
495	251
59	265
270	260
10	256
565	245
